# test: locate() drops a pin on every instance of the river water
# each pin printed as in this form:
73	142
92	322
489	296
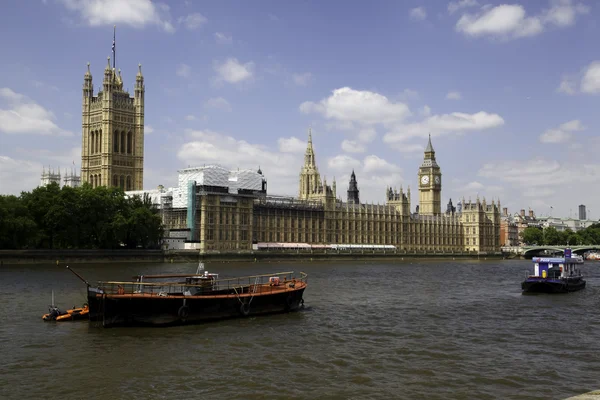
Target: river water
384	330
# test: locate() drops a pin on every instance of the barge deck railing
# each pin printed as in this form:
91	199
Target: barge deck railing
240	285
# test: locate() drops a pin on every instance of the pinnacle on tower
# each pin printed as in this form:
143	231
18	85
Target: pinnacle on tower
429	148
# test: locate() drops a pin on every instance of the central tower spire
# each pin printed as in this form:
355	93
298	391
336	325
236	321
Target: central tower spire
309	156
310	179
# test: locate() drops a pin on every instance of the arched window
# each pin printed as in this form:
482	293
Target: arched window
97	140
94	181
116	142
91	142
123	137
100	144
99	179
129	142
128	186
122	183
115	180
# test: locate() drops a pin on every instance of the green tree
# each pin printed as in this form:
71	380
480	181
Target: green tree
74	218
552	236
17	228
532	235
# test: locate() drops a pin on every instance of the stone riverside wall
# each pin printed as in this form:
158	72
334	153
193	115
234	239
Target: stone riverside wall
176	256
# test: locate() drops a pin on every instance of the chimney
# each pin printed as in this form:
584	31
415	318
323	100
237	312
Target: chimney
522	213
505	211
531	213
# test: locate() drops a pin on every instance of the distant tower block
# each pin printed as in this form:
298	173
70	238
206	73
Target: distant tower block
582	212
112	149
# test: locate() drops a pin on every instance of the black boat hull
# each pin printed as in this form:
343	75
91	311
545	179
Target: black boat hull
125	310
552	286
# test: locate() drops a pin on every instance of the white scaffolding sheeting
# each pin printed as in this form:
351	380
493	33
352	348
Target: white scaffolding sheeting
214	175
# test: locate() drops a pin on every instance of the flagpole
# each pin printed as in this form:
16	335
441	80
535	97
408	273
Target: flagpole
113	46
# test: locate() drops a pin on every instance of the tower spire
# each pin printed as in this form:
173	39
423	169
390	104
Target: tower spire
114	46
429	148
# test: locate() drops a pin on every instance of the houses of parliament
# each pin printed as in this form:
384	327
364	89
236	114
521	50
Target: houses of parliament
214	209
221	210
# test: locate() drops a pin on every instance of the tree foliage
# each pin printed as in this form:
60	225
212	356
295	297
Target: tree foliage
552	237
49	217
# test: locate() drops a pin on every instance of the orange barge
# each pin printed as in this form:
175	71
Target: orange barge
193	298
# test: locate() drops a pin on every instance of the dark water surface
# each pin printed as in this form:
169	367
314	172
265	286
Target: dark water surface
421	330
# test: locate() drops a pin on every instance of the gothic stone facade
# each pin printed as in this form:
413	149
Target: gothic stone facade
226	222
112	148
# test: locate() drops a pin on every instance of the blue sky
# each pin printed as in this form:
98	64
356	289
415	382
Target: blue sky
507	91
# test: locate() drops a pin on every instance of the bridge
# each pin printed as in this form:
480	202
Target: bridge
530	250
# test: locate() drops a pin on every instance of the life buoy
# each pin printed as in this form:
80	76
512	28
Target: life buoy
183	312
245	309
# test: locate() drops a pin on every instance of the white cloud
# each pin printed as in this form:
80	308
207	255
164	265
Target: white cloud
148	129
563	133
343	162
208	147
367	135
418	13
373	175
375	163
353	146
409	147
218	103
18	175
444	124
222	38
542	173
588	77
358	106
454	96
232	71
504	20
454	6
590	83
425	111
291	145
567	85
192	21
136	13
24	116
190	118
22	171
509	21
184	70
302	79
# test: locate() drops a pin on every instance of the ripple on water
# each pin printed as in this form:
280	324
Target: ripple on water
454	331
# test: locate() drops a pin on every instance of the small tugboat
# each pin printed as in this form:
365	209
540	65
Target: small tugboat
555	275
177	299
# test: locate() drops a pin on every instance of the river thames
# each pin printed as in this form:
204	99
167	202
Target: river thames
370	330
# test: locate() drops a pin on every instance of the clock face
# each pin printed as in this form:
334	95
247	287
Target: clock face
425	179
437	180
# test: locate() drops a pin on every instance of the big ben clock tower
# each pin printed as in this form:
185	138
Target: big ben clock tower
430	184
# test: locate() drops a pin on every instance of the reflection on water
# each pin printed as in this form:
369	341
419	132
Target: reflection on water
420	330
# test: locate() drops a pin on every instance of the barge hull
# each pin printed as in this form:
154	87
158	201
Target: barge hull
139	310
546	286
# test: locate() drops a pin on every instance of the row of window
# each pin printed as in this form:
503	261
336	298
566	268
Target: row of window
122	181
123	142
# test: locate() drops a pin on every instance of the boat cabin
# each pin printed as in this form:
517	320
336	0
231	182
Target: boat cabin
557	267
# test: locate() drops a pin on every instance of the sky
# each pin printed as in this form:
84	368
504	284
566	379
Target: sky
508	92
